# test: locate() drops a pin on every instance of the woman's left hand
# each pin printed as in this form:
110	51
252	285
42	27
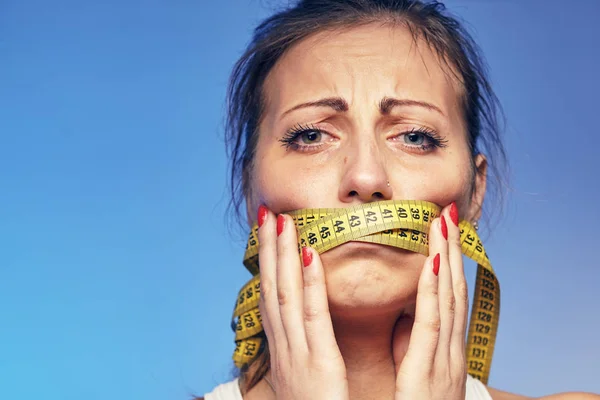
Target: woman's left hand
434	364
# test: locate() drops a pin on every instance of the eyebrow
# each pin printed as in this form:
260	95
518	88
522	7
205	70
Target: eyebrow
385	105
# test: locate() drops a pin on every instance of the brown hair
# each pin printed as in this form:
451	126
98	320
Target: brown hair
427	20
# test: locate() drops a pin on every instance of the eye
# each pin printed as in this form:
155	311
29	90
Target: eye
309	137
421	140
305	138
414	138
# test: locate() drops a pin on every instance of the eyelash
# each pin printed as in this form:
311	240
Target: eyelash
434	139
289	139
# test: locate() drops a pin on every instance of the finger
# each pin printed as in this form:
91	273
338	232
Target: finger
266	323
289	283
268	304
438	244
426	328
460	288
317	320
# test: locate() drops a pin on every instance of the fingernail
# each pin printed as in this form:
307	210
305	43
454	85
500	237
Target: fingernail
306	256
280	224
262	215
436	264
444	227
454	213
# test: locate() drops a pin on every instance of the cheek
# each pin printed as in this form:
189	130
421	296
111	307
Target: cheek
283	188
441	185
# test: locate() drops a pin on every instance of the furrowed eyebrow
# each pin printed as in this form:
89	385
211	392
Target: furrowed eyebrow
385	105
337	103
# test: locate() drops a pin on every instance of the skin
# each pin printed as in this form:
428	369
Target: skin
362	320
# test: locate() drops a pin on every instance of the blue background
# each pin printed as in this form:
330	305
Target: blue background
117	270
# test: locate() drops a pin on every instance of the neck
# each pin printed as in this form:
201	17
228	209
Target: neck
371	349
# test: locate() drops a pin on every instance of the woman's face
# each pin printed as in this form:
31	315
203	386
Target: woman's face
346	113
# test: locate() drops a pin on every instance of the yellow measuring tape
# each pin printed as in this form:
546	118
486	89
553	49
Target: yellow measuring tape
398	223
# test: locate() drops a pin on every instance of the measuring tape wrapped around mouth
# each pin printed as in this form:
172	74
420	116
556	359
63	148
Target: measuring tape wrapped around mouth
399	223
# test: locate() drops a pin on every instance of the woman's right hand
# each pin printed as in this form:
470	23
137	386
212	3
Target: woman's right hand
306	362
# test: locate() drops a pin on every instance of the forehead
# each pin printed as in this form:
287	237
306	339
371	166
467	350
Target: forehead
361	64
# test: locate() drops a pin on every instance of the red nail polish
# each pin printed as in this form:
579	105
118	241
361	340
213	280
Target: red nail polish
306	256
436	264
444	227
280	224
262	215
454	213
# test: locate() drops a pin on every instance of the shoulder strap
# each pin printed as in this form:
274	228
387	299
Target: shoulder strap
476	390
225	391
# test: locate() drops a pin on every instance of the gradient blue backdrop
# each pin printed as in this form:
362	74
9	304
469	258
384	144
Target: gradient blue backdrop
117	271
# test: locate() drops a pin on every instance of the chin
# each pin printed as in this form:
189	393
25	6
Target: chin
366	279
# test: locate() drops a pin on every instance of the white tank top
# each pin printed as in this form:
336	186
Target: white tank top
231	391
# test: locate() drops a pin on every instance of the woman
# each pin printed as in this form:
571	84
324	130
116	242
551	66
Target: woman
339	103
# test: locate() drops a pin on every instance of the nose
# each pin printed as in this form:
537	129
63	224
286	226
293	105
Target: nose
365	177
